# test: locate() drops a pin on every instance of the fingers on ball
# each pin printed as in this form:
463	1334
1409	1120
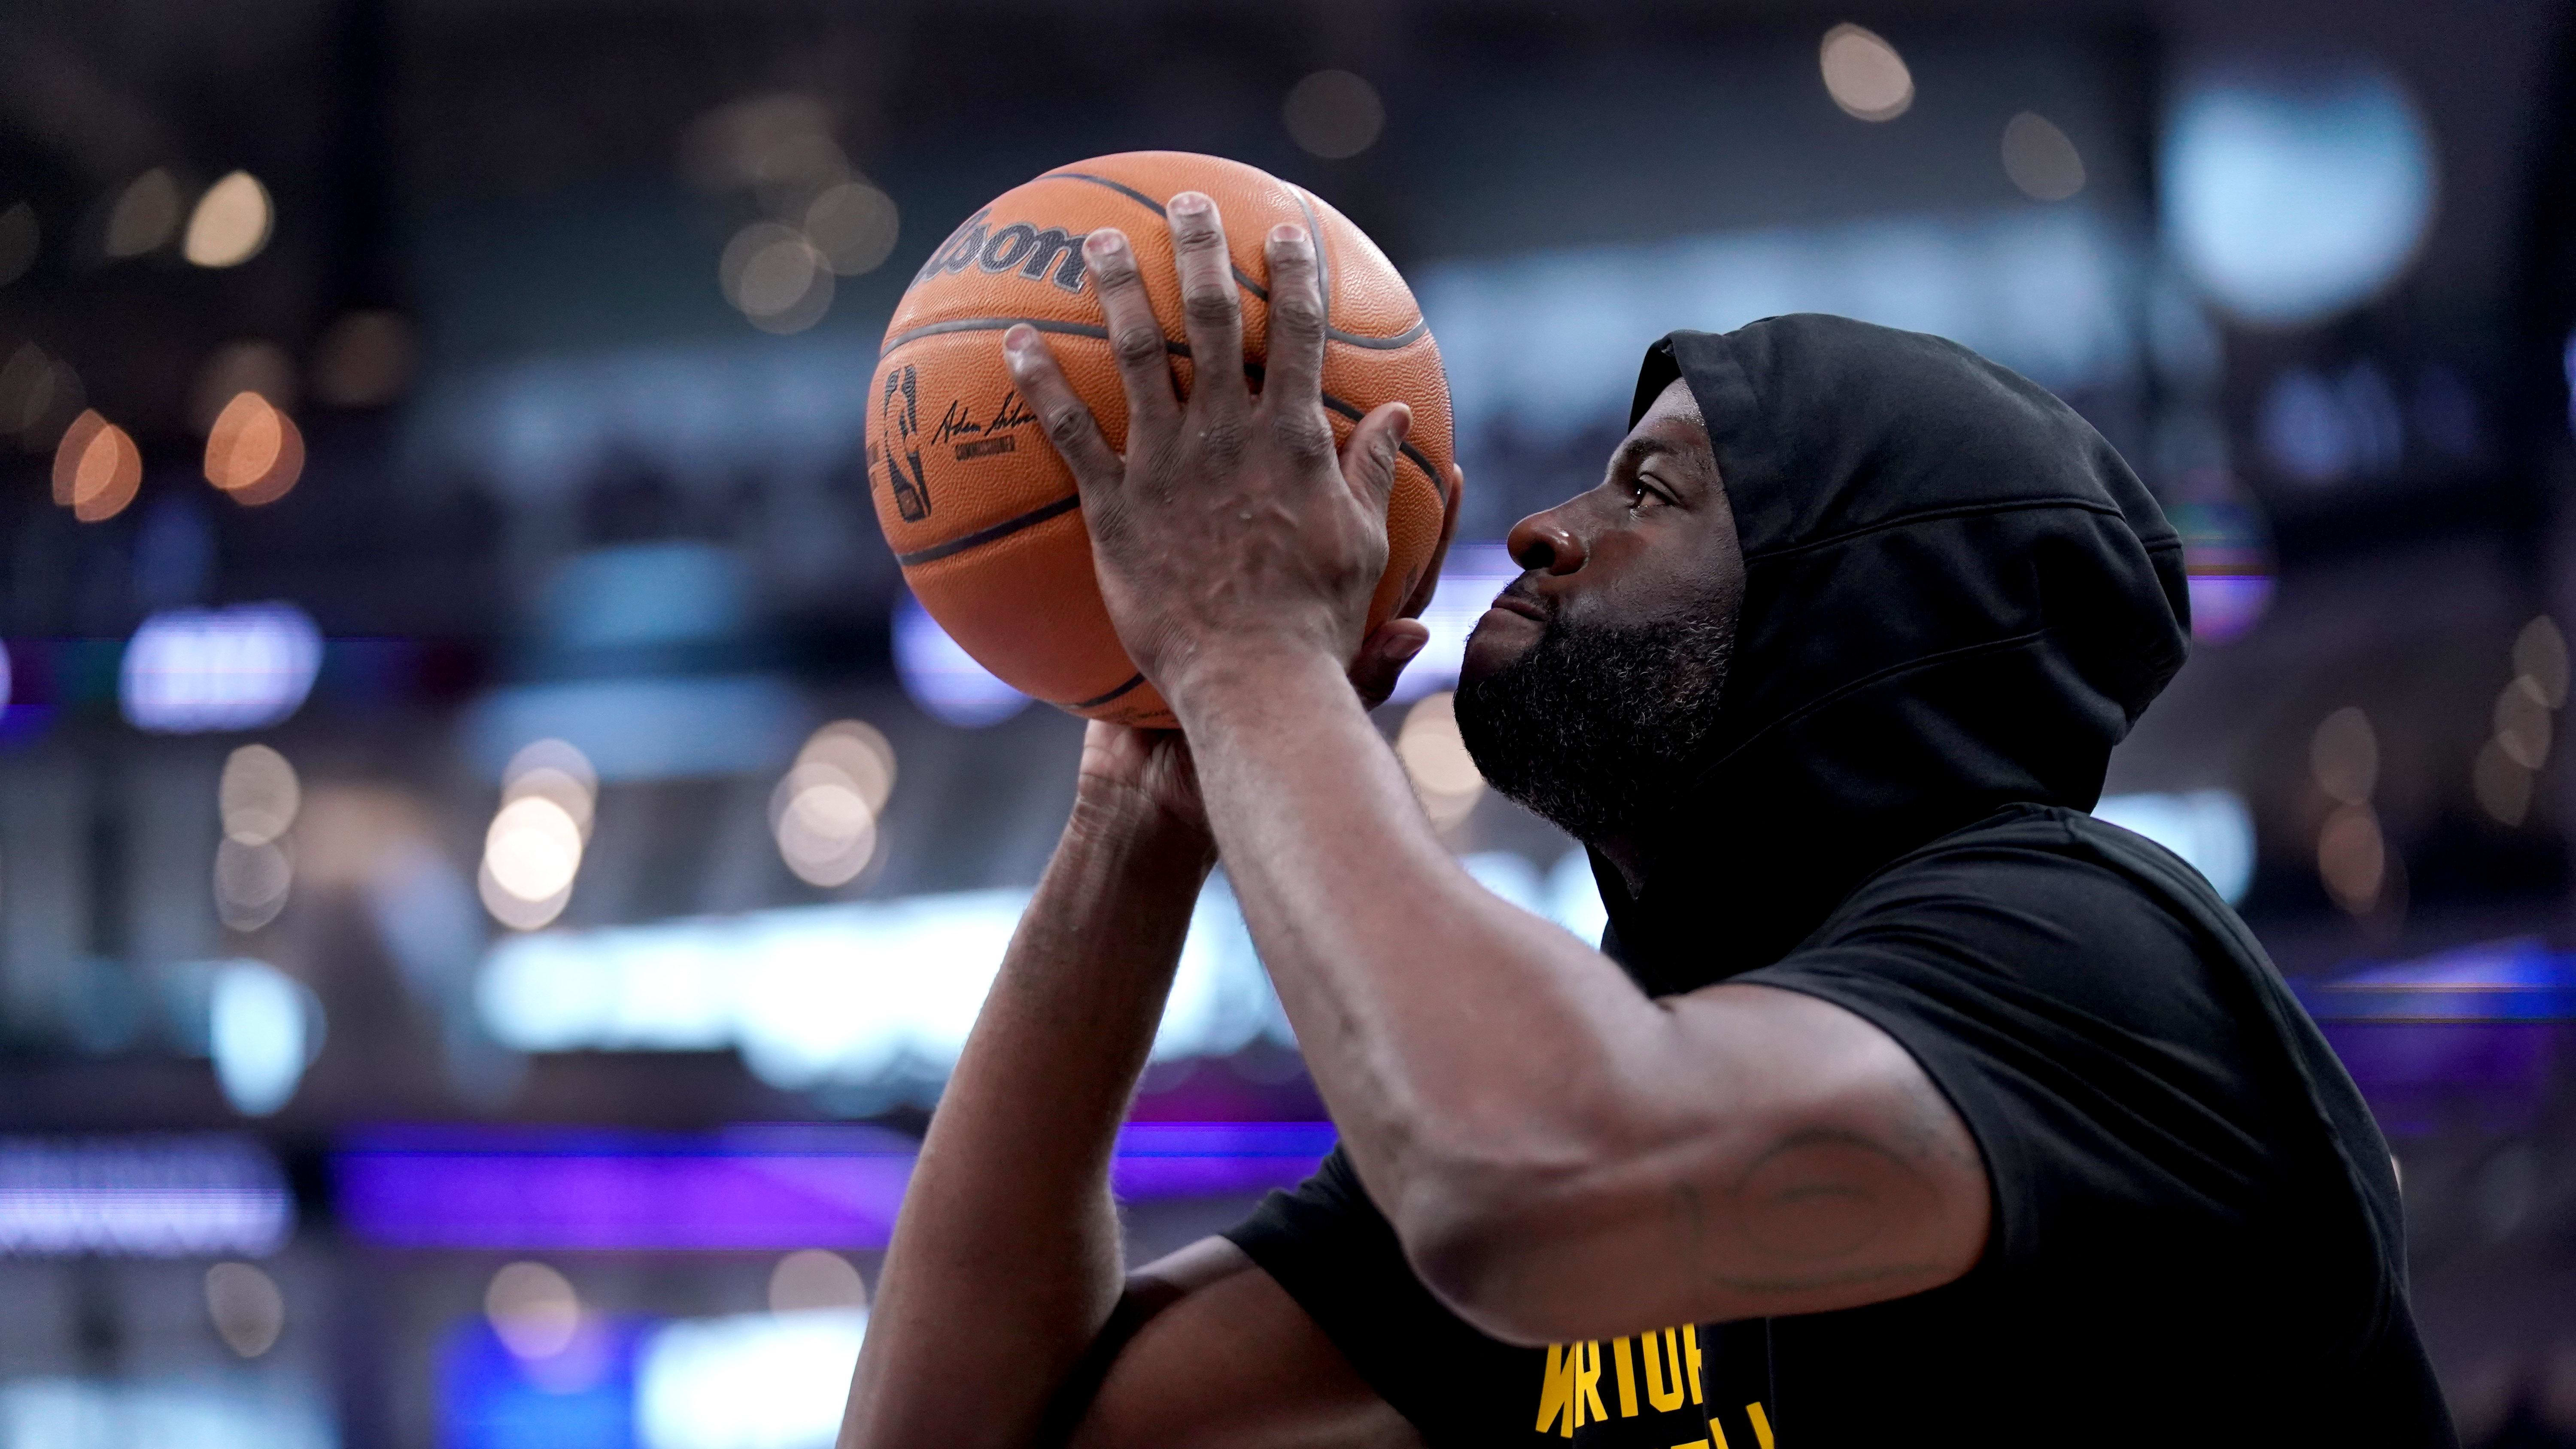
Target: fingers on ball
1068	423
1210	310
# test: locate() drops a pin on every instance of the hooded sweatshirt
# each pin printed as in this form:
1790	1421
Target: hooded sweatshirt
1957	599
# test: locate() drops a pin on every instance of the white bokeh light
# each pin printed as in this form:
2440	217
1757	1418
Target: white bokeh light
2290	197
240	668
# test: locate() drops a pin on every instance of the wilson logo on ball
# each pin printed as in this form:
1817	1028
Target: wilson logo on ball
899	423
1032	251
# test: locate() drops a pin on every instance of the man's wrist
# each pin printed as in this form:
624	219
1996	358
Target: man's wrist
1260	674
1130	827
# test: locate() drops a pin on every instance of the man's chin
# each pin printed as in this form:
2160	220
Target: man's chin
1498	641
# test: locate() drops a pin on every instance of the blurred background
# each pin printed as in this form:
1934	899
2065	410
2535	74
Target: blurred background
494	869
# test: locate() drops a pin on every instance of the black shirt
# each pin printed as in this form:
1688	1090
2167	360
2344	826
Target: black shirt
2194	1220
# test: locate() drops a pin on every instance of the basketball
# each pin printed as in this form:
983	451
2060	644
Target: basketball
983	516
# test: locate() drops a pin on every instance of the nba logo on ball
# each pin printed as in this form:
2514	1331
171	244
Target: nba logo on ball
899	426
981	513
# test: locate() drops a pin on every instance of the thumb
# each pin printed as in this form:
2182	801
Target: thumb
1383	656
1368	459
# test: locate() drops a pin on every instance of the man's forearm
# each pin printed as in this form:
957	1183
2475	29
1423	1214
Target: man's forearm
1402	976
1005	1261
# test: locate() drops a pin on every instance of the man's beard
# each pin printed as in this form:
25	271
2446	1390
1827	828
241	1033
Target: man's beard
1596	728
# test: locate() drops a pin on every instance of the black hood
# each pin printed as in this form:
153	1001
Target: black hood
1957	598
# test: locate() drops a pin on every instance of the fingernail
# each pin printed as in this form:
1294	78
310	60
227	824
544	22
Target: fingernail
1192	203
1410	645
1288	231
1403	425
1019	338
1107	241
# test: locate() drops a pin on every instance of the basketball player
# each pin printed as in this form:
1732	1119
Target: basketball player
1904	1103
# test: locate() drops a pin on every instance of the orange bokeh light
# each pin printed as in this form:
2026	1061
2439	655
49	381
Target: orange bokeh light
97	468
255	452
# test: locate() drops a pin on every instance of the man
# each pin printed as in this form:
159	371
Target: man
1905	1103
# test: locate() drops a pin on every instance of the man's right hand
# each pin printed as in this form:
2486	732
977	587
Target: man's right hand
1140	781
1143	780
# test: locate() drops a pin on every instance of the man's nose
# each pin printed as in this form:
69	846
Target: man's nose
1542	541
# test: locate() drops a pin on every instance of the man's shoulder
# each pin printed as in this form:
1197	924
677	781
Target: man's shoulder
2040	866
2055	910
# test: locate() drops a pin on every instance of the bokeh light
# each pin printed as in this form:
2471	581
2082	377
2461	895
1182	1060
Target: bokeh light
2502	784
1435	758
1864	74
2040	159
853	226
2212	830
942	677
2343	755
2540	655
251	882
530	855
824	811
230	224
824	828
2504	776
816	1280
2352	858
771	143
2522	723
97	468
240	668
145	214
258	795
554	770
254	452
2290	197
860	753
364	359
263	1028
246	1308
533	849
774	276
1333	114
532	1309
746	1381
38	393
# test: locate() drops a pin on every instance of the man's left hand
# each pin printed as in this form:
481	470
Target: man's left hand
1230	530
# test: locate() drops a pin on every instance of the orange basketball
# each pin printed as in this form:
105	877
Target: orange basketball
980	511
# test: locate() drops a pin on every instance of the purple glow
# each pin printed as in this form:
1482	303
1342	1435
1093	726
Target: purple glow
2517	980
753	1189
1209	1159
747	1189
2224	606
2470	1036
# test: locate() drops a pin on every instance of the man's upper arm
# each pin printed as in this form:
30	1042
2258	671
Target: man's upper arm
1216	1355
1773	1154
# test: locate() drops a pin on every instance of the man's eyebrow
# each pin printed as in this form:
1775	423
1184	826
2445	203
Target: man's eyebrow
1638	450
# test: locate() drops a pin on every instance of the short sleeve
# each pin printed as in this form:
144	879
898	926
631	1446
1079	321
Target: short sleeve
1337	1255
2084	1035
